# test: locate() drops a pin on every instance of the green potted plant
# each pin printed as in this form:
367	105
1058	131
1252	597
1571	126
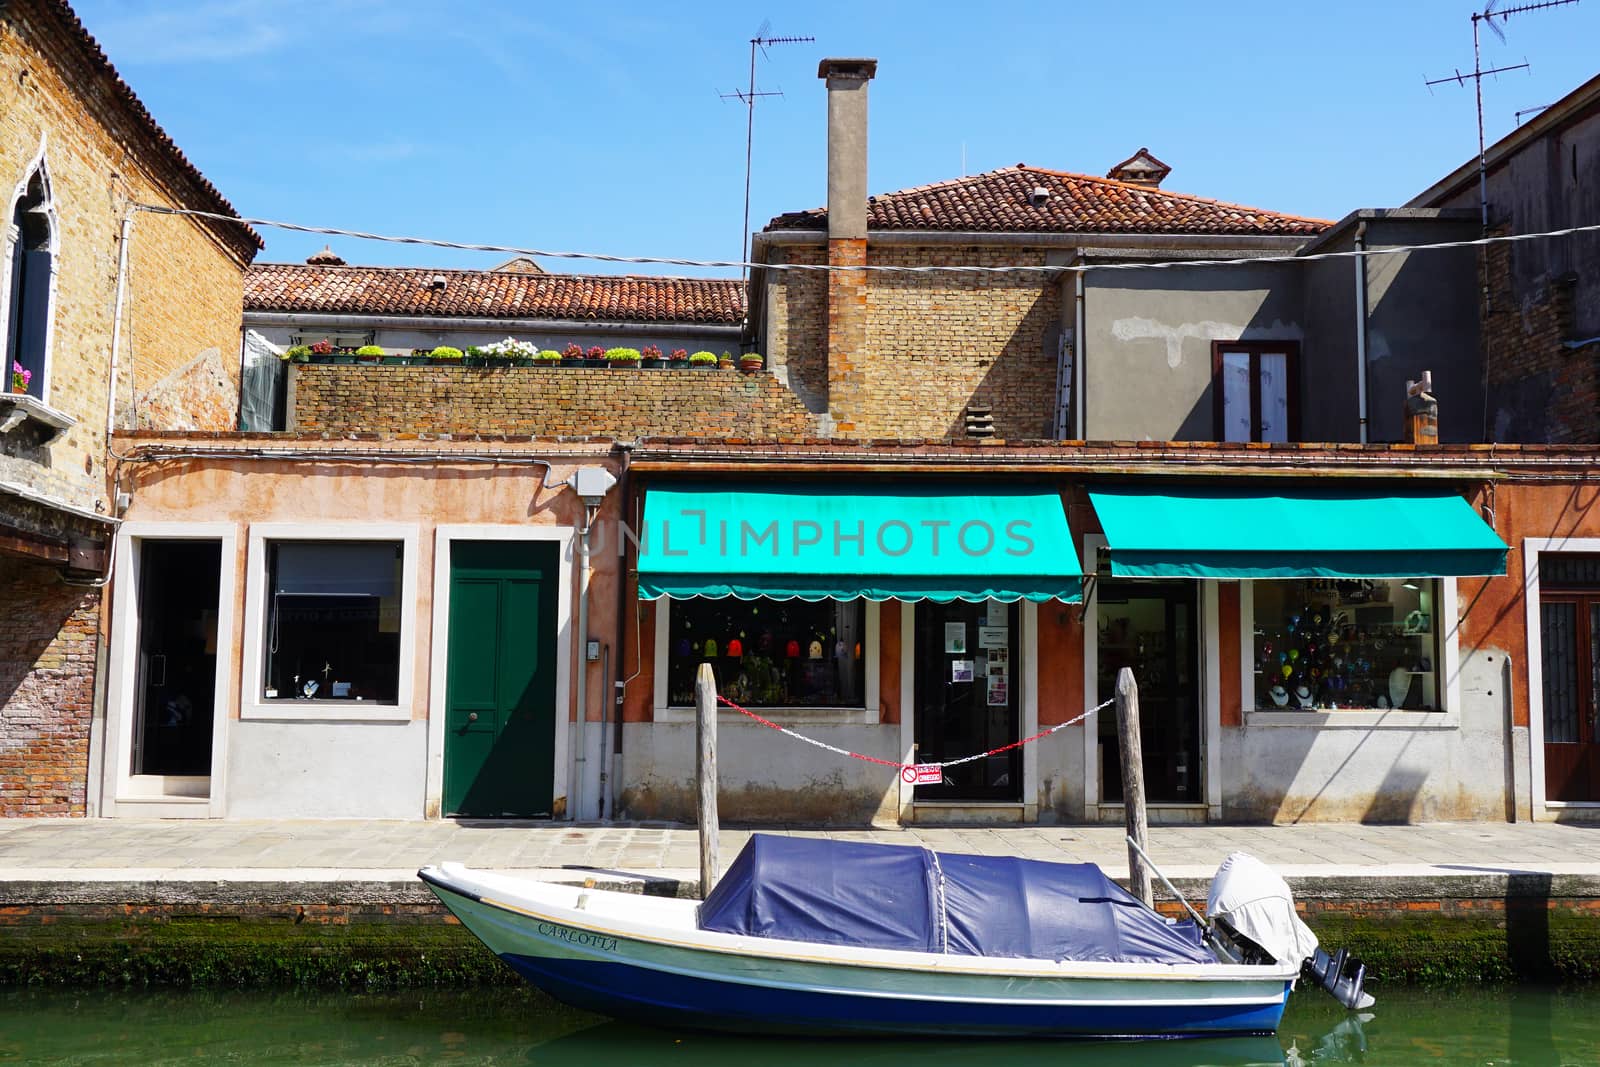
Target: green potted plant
622	357
369	353
445	354
750	362
726	361
703	361
297	354
650	357
548	357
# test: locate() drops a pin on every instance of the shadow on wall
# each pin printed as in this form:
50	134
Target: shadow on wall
1289	752
26	636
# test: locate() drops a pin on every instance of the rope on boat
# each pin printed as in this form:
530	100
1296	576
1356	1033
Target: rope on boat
910	766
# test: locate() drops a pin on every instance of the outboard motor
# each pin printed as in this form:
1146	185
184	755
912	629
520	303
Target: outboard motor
1250	900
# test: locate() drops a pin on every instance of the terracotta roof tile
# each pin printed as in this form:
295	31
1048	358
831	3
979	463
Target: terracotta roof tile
491	294
208	197
1001	201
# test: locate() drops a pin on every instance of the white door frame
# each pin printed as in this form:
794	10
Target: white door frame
1532	548
164	796
1208	658
439	648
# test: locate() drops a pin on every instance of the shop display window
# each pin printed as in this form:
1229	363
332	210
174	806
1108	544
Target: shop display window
333	621
1328	644
769	653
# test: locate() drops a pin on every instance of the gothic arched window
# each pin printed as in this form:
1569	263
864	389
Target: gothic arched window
28	248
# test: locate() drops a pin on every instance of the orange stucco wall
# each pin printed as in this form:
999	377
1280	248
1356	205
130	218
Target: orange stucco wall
430	494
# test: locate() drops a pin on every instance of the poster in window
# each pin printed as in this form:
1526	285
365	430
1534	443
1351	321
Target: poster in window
999	691
955	637
997	613
994	636
961	670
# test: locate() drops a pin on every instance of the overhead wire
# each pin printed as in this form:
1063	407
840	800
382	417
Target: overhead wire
875	268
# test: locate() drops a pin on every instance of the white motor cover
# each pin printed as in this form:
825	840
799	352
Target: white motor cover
1256	901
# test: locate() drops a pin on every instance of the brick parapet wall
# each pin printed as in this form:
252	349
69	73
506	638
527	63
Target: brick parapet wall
555	401
47	660
1528	363
931	343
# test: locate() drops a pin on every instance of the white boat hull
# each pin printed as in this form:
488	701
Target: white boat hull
644	959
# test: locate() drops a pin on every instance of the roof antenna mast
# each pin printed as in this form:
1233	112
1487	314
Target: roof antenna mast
748	98
1487	16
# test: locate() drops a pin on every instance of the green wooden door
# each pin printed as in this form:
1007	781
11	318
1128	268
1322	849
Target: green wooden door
500	685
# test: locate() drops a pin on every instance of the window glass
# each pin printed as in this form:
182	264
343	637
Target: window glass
1236	396
333	621
1337	643
1274	396
769	653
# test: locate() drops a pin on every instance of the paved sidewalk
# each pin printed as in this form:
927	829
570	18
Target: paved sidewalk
127	850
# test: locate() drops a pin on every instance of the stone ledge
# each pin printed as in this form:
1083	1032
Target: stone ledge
19	410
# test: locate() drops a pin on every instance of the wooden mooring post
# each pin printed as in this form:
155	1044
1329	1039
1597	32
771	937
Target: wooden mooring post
1127	702
705	772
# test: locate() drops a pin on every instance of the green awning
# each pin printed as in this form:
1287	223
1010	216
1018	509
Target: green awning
883	542
1161	532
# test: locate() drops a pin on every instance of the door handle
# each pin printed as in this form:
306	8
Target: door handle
472	716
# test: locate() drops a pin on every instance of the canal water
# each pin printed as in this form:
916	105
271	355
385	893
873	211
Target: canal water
1516	1027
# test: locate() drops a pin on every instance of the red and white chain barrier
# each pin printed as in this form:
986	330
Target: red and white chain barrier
909	771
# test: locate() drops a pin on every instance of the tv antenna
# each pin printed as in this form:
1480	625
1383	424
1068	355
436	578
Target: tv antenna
748	98
1487	16
1531	111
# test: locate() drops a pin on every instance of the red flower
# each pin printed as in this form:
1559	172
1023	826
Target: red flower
573	351
322	347
679	355
596	352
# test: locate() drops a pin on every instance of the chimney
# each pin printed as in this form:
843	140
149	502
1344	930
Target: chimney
1141	168
1422	412
847	235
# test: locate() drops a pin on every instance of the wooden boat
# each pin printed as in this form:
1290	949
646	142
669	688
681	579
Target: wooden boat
815	937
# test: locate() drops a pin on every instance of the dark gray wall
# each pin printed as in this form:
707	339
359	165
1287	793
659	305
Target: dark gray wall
1328	397
1421	315
1551	184
1149	334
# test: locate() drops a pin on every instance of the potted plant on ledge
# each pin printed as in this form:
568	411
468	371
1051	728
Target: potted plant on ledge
678	358
650	357
726	361
703	361
510	352
549	357
594	357
297	354
750	362
446	355
369	353
622	358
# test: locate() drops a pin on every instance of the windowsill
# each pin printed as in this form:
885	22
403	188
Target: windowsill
781	716
20	409
1363	718
325	711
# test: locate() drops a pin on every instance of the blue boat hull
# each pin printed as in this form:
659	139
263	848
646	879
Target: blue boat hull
642	995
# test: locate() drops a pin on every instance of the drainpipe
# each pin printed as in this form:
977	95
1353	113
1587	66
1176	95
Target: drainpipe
579	761
1361	328
116	325
1080	419
619	684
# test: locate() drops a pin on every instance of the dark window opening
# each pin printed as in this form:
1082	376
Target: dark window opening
27	299
770	653
333	624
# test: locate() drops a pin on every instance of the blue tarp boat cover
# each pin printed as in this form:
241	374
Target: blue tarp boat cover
913	899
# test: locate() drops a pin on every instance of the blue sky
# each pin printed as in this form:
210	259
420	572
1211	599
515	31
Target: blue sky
598	126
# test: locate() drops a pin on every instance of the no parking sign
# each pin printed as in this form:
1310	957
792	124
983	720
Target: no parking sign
922	774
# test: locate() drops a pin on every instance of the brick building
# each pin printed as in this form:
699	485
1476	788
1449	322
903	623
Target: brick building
86	350
1540	310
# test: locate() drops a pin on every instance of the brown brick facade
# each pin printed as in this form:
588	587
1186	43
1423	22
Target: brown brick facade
184	286
1541	391
550	401
930	344
47	652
